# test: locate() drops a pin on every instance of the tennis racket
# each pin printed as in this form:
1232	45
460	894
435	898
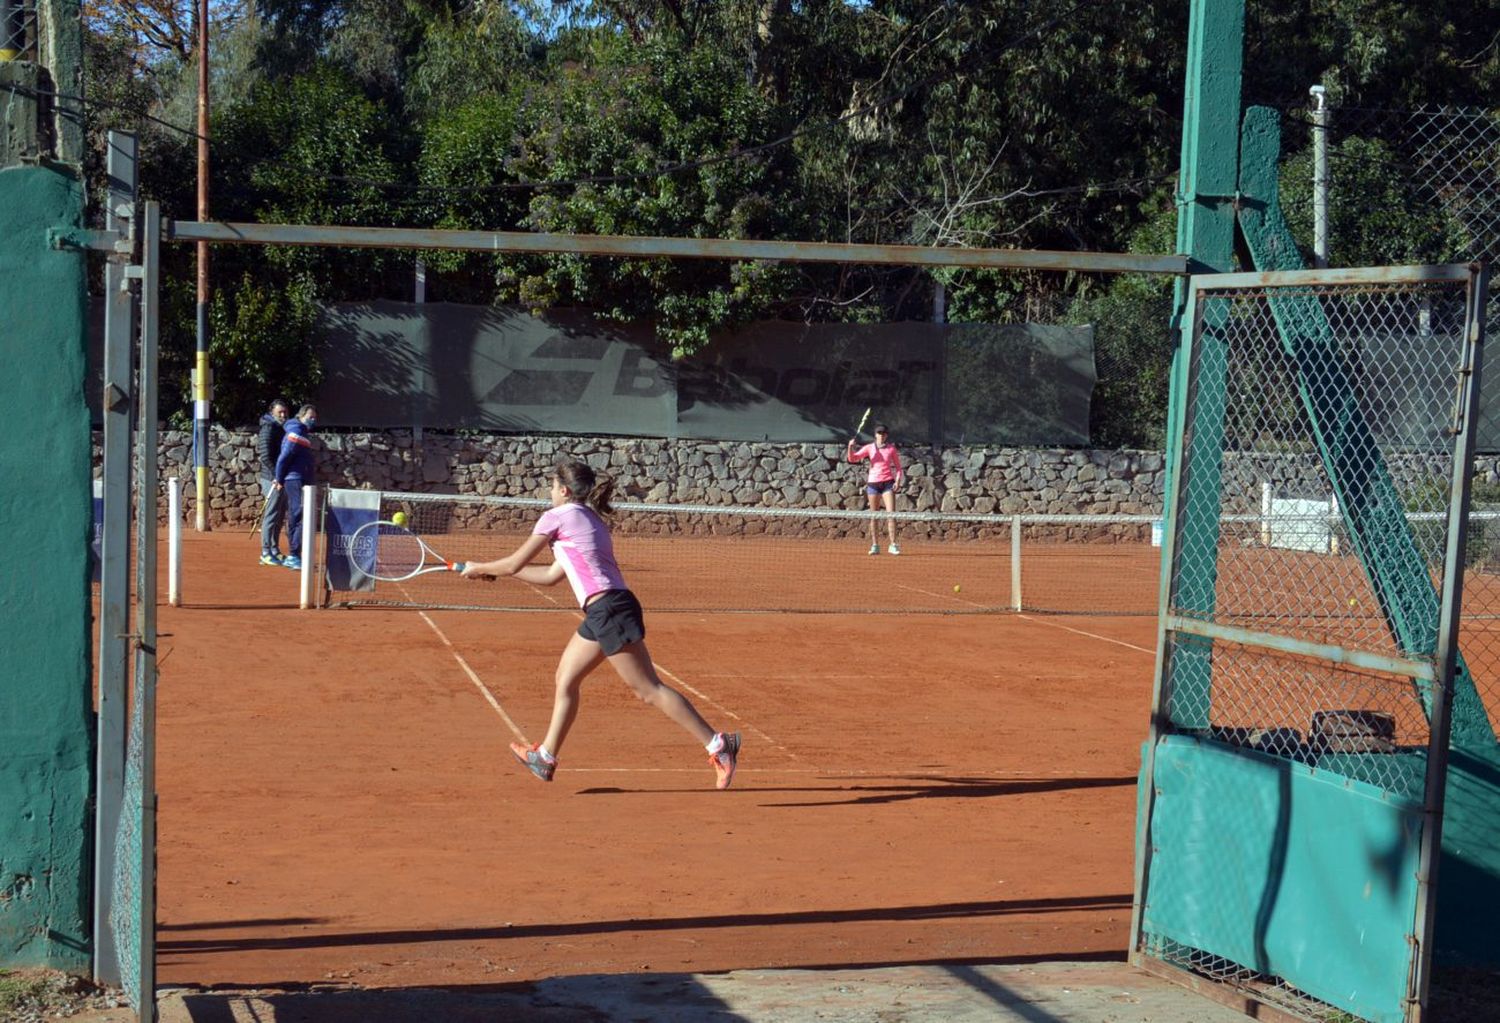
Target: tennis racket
862	421
264	507
392	553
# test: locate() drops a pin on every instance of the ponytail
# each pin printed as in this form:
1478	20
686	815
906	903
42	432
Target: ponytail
586	486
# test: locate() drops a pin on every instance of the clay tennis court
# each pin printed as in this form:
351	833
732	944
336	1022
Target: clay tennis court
338	803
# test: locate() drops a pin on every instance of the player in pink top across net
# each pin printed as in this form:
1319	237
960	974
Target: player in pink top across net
885	477
613	629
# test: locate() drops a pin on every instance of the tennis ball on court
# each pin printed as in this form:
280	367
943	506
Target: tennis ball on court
399	518
956	587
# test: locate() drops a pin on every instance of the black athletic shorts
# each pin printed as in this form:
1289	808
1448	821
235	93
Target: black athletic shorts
613	619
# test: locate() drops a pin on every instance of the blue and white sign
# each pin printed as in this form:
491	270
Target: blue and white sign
347	511
96	543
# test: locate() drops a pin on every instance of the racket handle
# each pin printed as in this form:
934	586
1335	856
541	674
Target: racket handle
458	566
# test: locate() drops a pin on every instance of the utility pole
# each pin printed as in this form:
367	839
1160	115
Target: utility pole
202	379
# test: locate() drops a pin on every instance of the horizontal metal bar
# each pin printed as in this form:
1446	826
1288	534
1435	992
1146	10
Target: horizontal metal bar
89	239
689	248
1288	645
1348	275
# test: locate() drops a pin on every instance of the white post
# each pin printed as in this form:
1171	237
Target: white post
309	536
1265	514
174	541
1334	521
1320	176
1015	562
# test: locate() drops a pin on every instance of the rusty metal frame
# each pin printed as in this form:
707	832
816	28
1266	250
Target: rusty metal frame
680	248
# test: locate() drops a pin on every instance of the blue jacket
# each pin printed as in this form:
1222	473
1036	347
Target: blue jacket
296	459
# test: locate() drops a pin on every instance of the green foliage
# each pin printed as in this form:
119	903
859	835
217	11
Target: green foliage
263	343
986	123
608	124
1378	215
1132	319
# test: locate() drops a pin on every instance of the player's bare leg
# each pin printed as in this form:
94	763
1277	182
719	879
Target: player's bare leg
634	665
579	657
874	500
889	497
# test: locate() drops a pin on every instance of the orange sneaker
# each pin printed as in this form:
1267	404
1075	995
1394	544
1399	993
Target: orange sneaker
724	760
531	757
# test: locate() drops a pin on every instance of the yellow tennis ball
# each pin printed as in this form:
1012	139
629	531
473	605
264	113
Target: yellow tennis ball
1353	602
399	518
956	587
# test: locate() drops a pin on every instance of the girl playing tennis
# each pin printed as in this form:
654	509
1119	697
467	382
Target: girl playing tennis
612	628
885	477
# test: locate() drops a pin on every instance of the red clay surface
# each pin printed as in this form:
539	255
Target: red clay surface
337	800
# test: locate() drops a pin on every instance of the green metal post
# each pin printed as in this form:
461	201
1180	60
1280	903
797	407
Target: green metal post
1205	234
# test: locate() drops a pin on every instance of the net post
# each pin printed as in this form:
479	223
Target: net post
309	545
1015	562
1265	514
174	541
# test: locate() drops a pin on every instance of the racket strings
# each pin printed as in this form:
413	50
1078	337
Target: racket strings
397	551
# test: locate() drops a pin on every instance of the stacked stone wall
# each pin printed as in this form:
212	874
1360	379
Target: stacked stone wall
1006	481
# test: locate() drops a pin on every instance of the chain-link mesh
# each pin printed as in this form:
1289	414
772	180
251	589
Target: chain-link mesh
129	890
1317	591
17	29
1404	186
1413	186
1383	374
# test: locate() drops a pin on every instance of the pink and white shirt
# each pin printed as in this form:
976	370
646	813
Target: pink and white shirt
885	463
581	542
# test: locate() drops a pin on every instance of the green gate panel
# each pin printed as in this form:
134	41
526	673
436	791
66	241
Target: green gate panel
1286	870
46	733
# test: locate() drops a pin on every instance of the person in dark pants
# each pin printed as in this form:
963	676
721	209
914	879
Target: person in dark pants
273	509
296	467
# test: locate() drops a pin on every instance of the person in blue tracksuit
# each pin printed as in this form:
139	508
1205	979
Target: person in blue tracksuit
296	467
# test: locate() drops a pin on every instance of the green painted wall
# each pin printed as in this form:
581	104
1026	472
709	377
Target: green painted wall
46	745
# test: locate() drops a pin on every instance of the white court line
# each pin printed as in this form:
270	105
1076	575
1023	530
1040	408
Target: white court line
893	773
939	596
1091	635
725	710
1039	621
474	677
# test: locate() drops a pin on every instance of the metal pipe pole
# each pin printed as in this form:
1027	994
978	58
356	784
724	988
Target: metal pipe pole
147	502
1440	723
202	384
114	569
1320	176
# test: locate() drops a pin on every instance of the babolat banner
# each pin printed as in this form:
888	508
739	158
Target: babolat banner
442	366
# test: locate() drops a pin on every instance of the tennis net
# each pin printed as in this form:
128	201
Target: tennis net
723	558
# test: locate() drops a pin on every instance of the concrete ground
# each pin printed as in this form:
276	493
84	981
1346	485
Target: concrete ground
1040	993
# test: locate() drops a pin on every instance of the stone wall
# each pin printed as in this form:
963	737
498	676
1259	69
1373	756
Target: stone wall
974	480
1051	481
